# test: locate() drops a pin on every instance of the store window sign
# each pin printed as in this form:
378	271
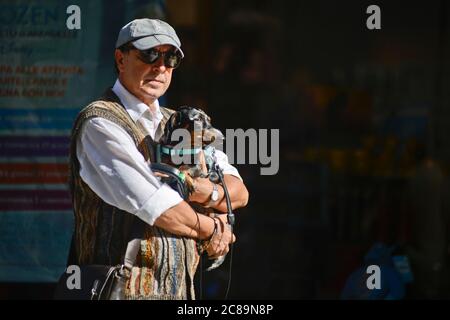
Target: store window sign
46	76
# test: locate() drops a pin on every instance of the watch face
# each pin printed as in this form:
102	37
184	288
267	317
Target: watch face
215	195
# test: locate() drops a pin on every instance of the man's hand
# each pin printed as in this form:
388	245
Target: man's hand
221	216
221	240
203	188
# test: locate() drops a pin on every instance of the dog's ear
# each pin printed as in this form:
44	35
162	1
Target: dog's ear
171	125
204	118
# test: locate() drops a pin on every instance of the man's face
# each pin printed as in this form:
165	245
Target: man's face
147	82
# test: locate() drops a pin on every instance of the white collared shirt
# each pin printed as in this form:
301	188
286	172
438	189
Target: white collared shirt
112	166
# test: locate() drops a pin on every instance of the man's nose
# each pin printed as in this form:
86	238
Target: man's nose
159	65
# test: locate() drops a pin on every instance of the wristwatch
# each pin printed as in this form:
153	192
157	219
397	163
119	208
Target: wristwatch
214	195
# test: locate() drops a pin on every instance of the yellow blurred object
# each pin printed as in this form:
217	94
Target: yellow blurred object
338	160
183	13
322	95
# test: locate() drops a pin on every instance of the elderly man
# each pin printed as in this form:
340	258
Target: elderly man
112	184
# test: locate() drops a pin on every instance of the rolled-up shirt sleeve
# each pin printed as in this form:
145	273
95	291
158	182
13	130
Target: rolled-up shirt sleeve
112	166
227	168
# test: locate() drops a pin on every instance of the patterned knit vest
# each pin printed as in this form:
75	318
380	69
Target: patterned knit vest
166	263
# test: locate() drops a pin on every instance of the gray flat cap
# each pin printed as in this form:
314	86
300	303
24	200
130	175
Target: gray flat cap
148	33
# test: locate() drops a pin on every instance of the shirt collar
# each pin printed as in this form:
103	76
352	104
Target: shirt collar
135	107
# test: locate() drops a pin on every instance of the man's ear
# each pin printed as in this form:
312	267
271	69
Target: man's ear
119	56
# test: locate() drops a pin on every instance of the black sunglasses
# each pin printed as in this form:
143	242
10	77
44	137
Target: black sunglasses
172	58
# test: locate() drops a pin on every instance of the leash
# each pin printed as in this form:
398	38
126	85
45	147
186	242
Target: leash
230	217
216	175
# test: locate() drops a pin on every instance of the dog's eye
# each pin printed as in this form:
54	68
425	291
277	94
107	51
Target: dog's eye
192	116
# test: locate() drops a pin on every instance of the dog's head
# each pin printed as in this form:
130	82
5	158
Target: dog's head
202	136
197	122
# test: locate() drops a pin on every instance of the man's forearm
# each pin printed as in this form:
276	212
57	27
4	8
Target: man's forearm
238	194
183	221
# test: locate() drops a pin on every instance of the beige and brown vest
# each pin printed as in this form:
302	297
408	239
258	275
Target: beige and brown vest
166	263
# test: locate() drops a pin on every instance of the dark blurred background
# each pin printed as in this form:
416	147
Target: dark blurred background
364	150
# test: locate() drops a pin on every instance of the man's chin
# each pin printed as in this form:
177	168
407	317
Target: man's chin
151	94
